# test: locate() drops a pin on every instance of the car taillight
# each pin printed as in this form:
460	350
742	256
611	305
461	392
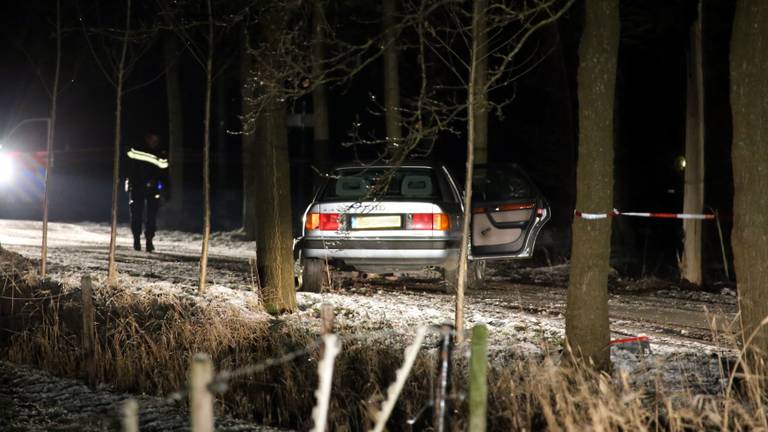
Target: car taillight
329	221
504	207
312	222
429	221
510	207
322	221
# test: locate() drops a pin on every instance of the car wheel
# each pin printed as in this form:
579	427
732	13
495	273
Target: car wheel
313	275
451	279
476	271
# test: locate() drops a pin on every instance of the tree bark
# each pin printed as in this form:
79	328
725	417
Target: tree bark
391	74
49	141
112	272
474	105
274	237
480	111
274	232
207	156
175	206
320	152
248	140
587	327
694	159
749	93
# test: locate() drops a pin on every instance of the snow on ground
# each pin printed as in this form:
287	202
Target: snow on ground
32	401
523	320
90	234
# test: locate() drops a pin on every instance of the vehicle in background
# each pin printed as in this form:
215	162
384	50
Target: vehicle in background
22	177
383	218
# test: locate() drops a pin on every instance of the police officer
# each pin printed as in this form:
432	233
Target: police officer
146	184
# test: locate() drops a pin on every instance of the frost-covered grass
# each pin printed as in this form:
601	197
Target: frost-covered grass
149	327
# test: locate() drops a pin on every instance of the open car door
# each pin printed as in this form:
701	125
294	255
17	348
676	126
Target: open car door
508	211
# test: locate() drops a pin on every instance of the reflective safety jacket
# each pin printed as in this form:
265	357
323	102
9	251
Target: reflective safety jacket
147	171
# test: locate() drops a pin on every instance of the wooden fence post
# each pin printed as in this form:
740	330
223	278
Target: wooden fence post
130	415
478	381
200	397
332	347
88	340
327	318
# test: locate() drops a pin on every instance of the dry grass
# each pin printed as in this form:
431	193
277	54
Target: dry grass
145	341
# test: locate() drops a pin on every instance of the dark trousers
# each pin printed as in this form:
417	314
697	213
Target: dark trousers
139	200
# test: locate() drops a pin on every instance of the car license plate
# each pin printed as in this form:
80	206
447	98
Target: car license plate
376	222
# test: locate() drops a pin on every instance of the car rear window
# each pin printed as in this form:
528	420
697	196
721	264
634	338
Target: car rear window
500	183
401	184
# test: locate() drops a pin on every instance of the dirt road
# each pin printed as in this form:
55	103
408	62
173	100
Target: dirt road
674	317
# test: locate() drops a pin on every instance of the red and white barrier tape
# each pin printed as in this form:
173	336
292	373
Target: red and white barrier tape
592	216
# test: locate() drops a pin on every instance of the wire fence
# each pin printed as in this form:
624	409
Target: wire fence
330	345
203	387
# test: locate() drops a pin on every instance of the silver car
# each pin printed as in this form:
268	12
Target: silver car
382	218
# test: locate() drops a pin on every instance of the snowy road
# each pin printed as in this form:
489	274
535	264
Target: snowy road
675	320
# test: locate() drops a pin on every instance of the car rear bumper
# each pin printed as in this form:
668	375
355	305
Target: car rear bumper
406	252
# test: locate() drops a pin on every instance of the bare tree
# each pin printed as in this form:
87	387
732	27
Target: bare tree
274	233
693	201
171	55
248	137
294	54
207	154
490	67
202	39
119	82
749	92
116	51
321	131
586	321
50	139
391	72
476	103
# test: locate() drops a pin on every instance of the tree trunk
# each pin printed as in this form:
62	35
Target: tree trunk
749	93
248	140
274	237
586	322
480	58
207	156
274	233
49	141
175	207
391	74
694	160
320	152
475	104
112	272
220	194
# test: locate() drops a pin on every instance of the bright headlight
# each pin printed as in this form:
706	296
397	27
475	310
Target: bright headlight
6	168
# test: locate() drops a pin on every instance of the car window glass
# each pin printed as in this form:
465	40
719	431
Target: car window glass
500	184
351	187
383	183
417	186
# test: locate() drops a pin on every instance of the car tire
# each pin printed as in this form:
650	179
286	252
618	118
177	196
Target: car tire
476	271
451	279
313	275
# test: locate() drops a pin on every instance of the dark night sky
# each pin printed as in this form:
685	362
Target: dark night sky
538	128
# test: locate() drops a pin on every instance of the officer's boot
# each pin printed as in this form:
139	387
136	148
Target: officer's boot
136	243
150	246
